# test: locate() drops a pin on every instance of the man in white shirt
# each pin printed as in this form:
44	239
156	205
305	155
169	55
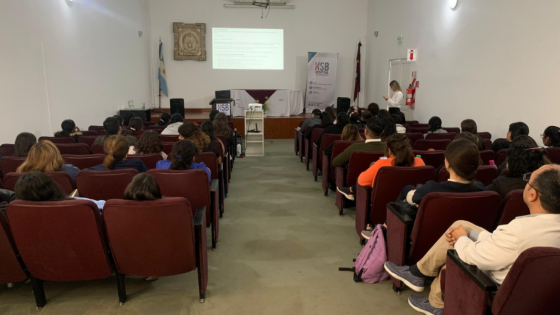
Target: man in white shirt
494	253
173	128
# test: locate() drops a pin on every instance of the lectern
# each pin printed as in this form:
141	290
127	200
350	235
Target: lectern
223	105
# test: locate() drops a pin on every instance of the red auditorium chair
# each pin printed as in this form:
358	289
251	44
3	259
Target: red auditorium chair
193	185
501	156
11	271
89	140
422	125
224	166
432	158
424	145
413	137
500	140
226	160
88	133
484	174
169	138
302	144
310	144
157	238
97	149
371	203
104	185
9	164
452	129
60	241
61	178
148	124
359	162
150	160
412	122
487	156
7	149
418	129
530	287
338	147
223	185
553	155
58	139
327	140
211	162
485	135
487	144
437	212
296	138
167	147
441	136
84	161
73	148
98	129
512	207
157	128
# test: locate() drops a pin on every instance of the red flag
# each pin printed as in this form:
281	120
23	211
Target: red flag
358	73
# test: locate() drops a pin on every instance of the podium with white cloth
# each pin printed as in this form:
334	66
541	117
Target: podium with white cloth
281	103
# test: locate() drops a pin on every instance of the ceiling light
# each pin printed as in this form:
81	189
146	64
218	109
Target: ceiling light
453	4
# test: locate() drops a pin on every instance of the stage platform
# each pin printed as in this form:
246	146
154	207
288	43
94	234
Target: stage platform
274	127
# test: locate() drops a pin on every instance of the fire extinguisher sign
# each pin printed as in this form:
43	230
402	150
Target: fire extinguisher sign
412	54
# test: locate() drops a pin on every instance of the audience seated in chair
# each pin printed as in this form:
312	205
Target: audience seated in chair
336	129
435	126
191	132
120	119
208	128
398	152
213	114
551	137
390	128
515	129
310	122
221	128
135	126
116	149
524	156
326	121
373	132
24	142
164	120
383	113
373	109
44	156
349	133
495	252
183	157
69	129
366	114
113	127
398	123
354	118
175	122
38	186
473	138
149	143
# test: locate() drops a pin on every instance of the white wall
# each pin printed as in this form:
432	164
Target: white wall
315	25
492	61
80	60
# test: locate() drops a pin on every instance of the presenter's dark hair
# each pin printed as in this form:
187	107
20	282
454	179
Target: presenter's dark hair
435	123
175	118
111	125
24	142
551	136
518	129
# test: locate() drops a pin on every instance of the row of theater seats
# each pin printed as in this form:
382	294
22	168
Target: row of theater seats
409	240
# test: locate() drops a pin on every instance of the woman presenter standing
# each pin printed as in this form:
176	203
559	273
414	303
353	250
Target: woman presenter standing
394	102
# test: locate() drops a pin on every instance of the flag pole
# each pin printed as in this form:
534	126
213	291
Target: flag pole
159	81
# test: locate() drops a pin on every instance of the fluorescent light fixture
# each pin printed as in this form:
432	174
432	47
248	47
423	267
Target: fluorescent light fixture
453	4
249	6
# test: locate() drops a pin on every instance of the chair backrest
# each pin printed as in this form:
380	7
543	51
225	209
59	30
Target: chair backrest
531	285
154	127
487	144
84	161
438	136
89	140
512	207
418	129
232	126
485	135
11	270
169	138
452	129
501	156
553	155
218	146
438	211
484	174
96	128
150	160
9	164
432	158
422	125
487	156
327	140
315	135
61	178
148	124
89	133
413	137
210	160
60	240
500	140
151	238
104	185
58	139
167	147
432	144
359	162
73	148
412	122
388	184
97	149
7	149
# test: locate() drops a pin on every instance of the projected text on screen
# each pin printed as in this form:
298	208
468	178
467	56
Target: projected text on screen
248	49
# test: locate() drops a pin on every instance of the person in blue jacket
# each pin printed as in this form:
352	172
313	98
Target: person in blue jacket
183	157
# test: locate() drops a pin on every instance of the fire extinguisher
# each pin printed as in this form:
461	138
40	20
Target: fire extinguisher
409	97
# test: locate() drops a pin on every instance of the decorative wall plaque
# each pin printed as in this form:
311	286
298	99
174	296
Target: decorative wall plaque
190	41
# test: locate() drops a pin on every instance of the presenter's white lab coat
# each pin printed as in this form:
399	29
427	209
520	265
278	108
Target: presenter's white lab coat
396	100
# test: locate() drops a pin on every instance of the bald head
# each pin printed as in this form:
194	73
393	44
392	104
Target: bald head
542	192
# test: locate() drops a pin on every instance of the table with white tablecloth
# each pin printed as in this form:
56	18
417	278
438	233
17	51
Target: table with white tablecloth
281	103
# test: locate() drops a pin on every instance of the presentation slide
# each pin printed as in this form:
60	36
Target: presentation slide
248	49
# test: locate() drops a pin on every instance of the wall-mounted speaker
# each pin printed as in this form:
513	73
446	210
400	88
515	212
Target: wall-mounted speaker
342	104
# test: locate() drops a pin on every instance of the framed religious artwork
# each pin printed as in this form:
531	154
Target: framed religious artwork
190	41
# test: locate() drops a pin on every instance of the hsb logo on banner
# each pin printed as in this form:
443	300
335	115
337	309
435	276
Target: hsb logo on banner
322	68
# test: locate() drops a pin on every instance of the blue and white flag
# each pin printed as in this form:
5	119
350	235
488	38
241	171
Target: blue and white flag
161	72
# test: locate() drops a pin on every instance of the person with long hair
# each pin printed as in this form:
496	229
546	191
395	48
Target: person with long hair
208	128
398	153
143	187
38	186
116	150
183	157
44	156
551	137
373	142
435	126
524	156
135	126
396	100
191	132
24	142
469	125
473	138
349	133
174	123
221	128
149	143
69	129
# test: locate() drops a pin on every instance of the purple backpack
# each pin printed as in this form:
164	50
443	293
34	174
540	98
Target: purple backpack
369	264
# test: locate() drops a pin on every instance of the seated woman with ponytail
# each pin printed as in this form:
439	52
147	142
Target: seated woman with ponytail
116	149
398	153
183	157
435	126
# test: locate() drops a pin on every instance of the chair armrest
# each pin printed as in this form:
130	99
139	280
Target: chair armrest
479	277
315	145
199	217
214	185
397	210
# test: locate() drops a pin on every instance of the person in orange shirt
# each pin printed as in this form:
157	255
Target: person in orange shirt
398	153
